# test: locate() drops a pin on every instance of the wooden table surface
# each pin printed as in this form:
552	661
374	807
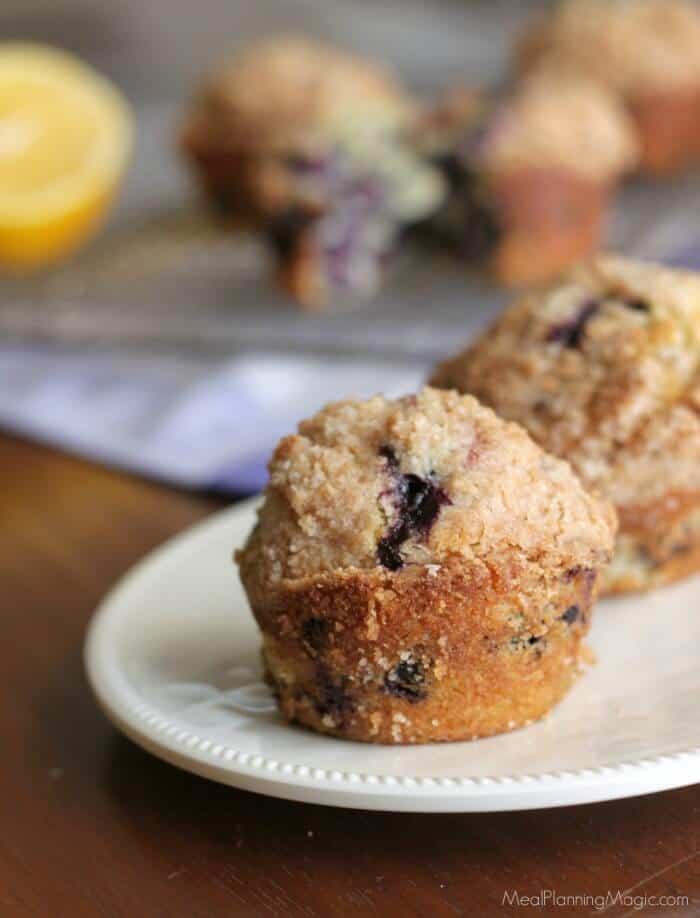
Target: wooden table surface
92	826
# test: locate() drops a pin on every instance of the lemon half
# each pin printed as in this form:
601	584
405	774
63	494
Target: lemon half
65	140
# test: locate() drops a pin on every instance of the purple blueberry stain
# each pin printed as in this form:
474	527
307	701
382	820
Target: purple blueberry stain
313	634
587	575
333	699
322	168
407	681
392	460
637	304
418	502
571	332
571	615
346	225
680	549
534	642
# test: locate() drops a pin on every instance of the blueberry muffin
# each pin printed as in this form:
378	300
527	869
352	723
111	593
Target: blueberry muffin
531	170
421	571
648	52
602	370
307	144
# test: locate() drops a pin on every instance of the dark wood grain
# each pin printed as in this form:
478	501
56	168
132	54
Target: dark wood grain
92	826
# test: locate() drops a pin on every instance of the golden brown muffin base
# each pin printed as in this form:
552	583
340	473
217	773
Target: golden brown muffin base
657	544
550	220
668	128
431	654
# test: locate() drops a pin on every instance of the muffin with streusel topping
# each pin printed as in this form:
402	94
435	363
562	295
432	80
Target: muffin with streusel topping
603	369
647	52
421	571
531	169
306	142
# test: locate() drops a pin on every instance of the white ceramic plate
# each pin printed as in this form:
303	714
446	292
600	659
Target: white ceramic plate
173	657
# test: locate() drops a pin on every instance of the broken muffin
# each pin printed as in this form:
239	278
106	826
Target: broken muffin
531	170
306	143
647	52
421	571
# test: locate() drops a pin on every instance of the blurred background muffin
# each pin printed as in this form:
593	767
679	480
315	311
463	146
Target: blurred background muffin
531	172
306	142
647	51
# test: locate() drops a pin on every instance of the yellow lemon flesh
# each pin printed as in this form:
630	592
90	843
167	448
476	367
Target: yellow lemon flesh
65	139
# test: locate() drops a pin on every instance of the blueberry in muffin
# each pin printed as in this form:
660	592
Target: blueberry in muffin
530	168
603	370
647	52
421	571
307	143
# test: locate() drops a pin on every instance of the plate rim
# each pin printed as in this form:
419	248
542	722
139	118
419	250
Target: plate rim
165	738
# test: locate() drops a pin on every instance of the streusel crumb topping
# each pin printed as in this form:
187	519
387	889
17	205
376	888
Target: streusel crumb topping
426	478
603	369
290	92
